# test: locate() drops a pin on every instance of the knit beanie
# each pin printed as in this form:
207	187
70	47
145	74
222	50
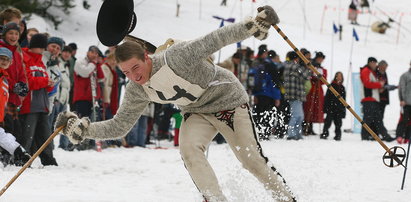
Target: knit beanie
272	54
262	49
319	55
73	46
10	26
38	41
6	52
56	40
371	59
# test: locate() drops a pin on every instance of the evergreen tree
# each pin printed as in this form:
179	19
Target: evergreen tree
49	9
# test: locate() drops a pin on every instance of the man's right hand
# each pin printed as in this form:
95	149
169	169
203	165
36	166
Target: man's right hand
259	26
75	128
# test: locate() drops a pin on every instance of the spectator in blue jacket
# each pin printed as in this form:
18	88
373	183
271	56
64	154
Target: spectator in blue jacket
267	96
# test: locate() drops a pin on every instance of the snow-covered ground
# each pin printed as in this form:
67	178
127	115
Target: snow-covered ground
316	170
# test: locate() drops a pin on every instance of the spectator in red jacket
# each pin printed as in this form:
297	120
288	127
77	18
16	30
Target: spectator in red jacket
17	78
370	101
8	141
83	73
34	112
87	71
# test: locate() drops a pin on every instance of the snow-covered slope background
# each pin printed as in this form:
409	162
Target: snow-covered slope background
316	170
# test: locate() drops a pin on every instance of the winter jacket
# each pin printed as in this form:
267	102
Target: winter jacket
82	85
110	91
183	76
405	87
4	92
16	72
65	84
331	104
313	107
53	70
384	95
370	85
267	81
295	76
37	98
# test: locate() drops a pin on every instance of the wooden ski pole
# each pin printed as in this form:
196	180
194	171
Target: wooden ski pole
406	164
346	105
48	141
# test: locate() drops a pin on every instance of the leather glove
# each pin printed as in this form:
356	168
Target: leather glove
75	128
390	87
261	24
21	89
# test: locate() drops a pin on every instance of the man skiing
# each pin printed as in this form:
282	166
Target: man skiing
211	99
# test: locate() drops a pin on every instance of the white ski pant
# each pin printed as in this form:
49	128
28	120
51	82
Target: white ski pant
237	127
8	141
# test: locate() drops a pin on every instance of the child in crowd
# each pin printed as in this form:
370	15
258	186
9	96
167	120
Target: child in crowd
7	140
334	109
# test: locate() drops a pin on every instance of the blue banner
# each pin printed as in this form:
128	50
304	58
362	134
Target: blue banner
356	93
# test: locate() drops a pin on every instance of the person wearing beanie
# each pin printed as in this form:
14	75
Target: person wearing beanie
54	71
73	46
211	98
371	60
38	41
35	108
16	80
56	40
10	26
371	101
7	140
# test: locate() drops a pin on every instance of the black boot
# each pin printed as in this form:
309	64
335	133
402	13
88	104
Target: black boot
337	137
388	138
21	156
324	135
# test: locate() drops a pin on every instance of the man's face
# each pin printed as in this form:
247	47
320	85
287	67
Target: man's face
12	37
372	65
137	70
54	49
92	55
5	62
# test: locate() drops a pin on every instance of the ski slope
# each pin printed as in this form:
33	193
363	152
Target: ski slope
316	170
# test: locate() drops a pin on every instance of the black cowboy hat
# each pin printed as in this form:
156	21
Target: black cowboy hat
116	19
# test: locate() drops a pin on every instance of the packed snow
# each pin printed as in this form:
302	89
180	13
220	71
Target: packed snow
316	170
